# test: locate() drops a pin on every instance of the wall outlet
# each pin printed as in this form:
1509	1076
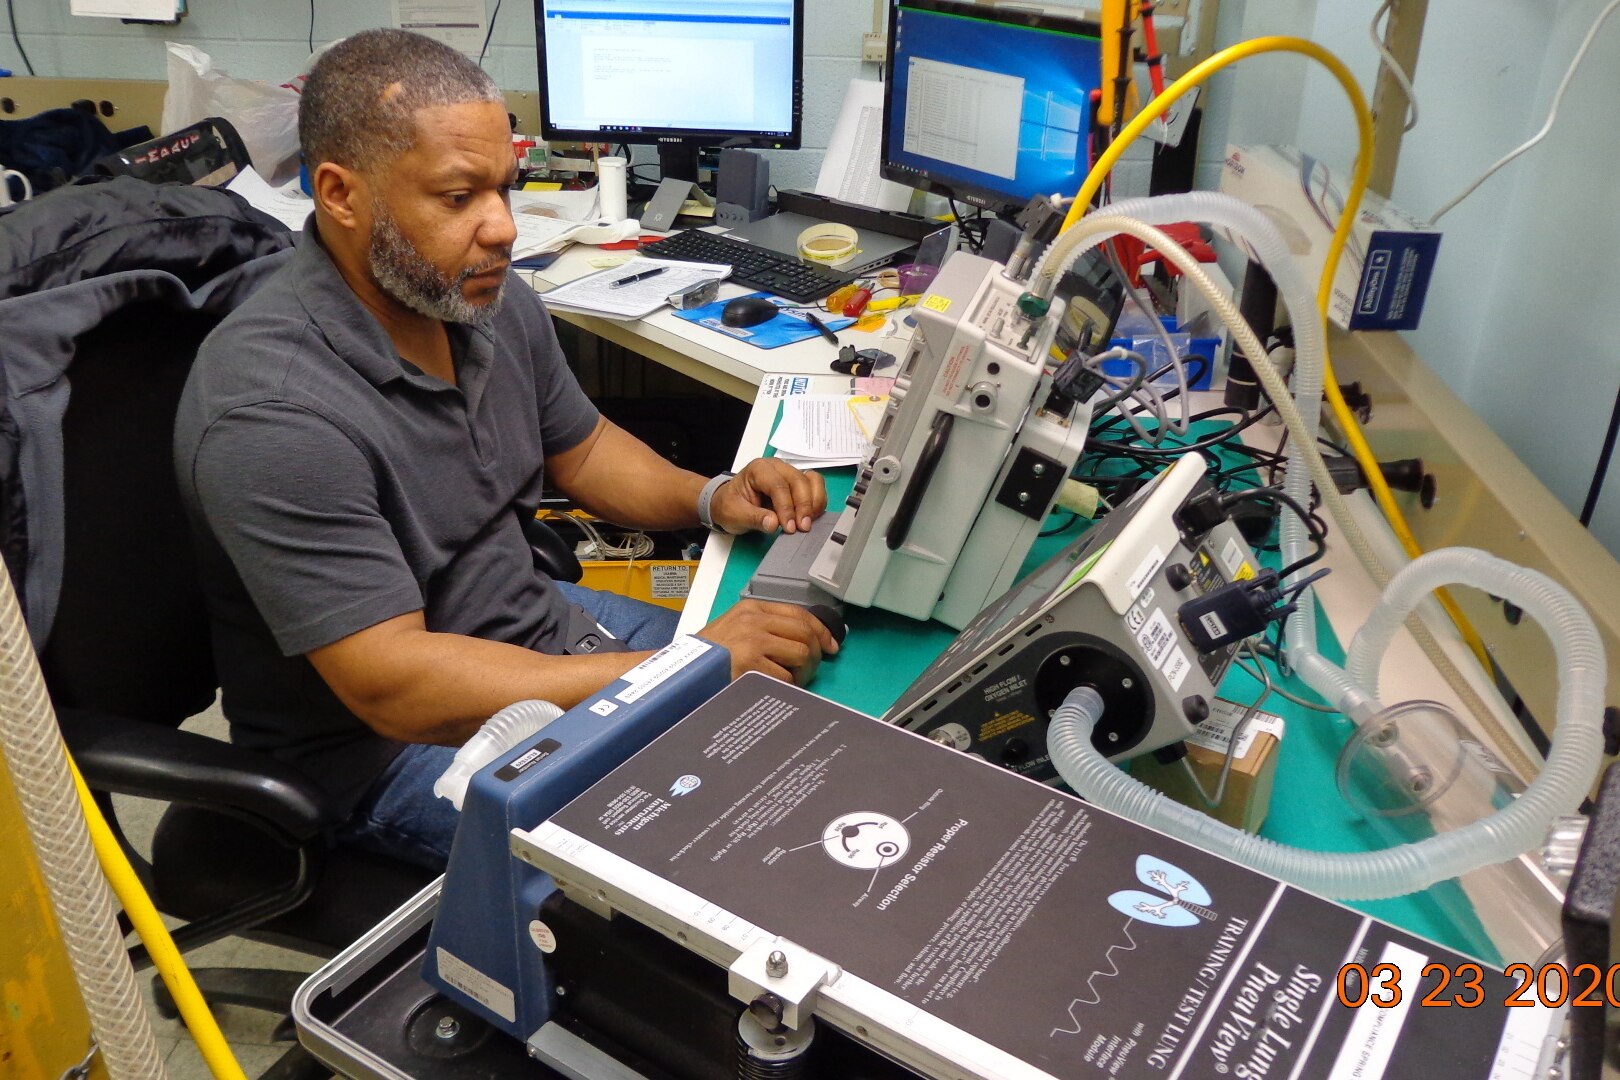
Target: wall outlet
874	48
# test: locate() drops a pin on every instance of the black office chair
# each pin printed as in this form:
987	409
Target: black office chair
244	846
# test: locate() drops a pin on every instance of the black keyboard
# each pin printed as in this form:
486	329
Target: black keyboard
803	283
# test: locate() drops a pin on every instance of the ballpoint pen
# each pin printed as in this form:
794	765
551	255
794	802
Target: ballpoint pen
821	328
644	275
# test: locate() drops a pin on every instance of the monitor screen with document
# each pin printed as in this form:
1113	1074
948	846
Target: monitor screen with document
988	105
678	74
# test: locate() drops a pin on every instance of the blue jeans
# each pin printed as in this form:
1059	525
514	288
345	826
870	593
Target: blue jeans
401	817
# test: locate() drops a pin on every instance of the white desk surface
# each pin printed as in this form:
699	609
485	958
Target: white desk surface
728	364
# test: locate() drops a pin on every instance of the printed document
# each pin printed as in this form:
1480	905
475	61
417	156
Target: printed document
850	169
612	293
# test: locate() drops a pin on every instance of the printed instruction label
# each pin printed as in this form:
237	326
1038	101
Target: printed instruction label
671	581
1176	666
493	996
1157	638
1144	573
1232	556
781	386
1216	732
660	666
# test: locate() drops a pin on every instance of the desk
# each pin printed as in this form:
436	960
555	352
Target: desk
730	366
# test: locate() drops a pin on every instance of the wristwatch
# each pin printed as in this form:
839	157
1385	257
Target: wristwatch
706	496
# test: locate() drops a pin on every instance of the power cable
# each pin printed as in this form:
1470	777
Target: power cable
11	11
496	14
1387	58
1552	115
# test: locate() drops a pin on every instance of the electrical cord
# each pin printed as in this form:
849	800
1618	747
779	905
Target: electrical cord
11	11
1387	58
1094	365
1145	307
1552	114
1600	473
1277	389
1283	692
1382	494
488	34
1277	495
1267	689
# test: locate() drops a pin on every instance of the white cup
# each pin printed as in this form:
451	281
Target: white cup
5	186
610	188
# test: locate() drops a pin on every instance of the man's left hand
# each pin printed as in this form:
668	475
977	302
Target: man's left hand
769	494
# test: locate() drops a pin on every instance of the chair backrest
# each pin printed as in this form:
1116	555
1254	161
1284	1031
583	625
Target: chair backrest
109	290
131	632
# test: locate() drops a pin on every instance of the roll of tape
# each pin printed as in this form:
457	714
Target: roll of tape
829	243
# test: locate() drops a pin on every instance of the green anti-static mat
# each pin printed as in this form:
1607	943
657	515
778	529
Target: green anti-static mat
884	652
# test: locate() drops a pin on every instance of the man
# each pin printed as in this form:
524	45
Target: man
359	442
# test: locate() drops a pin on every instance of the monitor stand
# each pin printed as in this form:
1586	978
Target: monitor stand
678	161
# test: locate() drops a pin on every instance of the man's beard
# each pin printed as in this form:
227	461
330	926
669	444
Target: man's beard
402	273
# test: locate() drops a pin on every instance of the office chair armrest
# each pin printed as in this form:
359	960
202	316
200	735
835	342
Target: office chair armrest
551	553
123	756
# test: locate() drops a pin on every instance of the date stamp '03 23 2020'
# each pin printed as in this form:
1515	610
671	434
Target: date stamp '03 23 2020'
1463	986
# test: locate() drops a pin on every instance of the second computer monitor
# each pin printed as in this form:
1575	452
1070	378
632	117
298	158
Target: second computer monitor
679	74
988	105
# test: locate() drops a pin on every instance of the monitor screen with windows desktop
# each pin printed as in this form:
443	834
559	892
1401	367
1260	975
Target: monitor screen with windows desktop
986	105
679	74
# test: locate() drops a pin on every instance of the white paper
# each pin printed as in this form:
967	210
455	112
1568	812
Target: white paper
537	234
458	23
155	10
288	205
779	385
849	171
596	294
820	429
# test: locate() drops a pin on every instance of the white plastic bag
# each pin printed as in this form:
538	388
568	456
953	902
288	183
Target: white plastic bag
265	116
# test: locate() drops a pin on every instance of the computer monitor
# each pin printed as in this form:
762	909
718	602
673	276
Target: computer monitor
988	105
680	74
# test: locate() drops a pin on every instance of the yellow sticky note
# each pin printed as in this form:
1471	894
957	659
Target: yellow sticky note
937	302
868	412
542	185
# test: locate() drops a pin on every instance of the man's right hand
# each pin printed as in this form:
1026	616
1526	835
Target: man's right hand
783	641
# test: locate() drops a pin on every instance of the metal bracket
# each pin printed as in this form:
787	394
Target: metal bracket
790	974
1031	484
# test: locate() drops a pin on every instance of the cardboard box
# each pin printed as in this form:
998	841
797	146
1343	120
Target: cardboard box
1248	790
1384	273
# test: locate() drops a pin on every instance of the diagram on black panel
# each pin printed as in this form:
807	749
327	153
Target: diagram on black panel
1179	900
867	840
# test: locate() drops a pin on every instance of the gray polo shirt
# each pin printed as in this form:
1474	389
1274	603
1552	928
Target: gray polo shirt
333	485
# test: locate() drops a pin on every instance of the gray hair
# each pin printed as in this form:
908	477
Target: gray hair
359	104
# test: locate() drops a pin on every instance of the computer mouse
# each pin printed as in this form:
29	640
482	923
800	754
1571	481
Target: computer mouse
746	311
828	616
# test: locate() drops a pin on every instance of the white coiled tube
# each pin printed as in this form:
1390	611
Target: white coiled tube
1576	751
499	734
